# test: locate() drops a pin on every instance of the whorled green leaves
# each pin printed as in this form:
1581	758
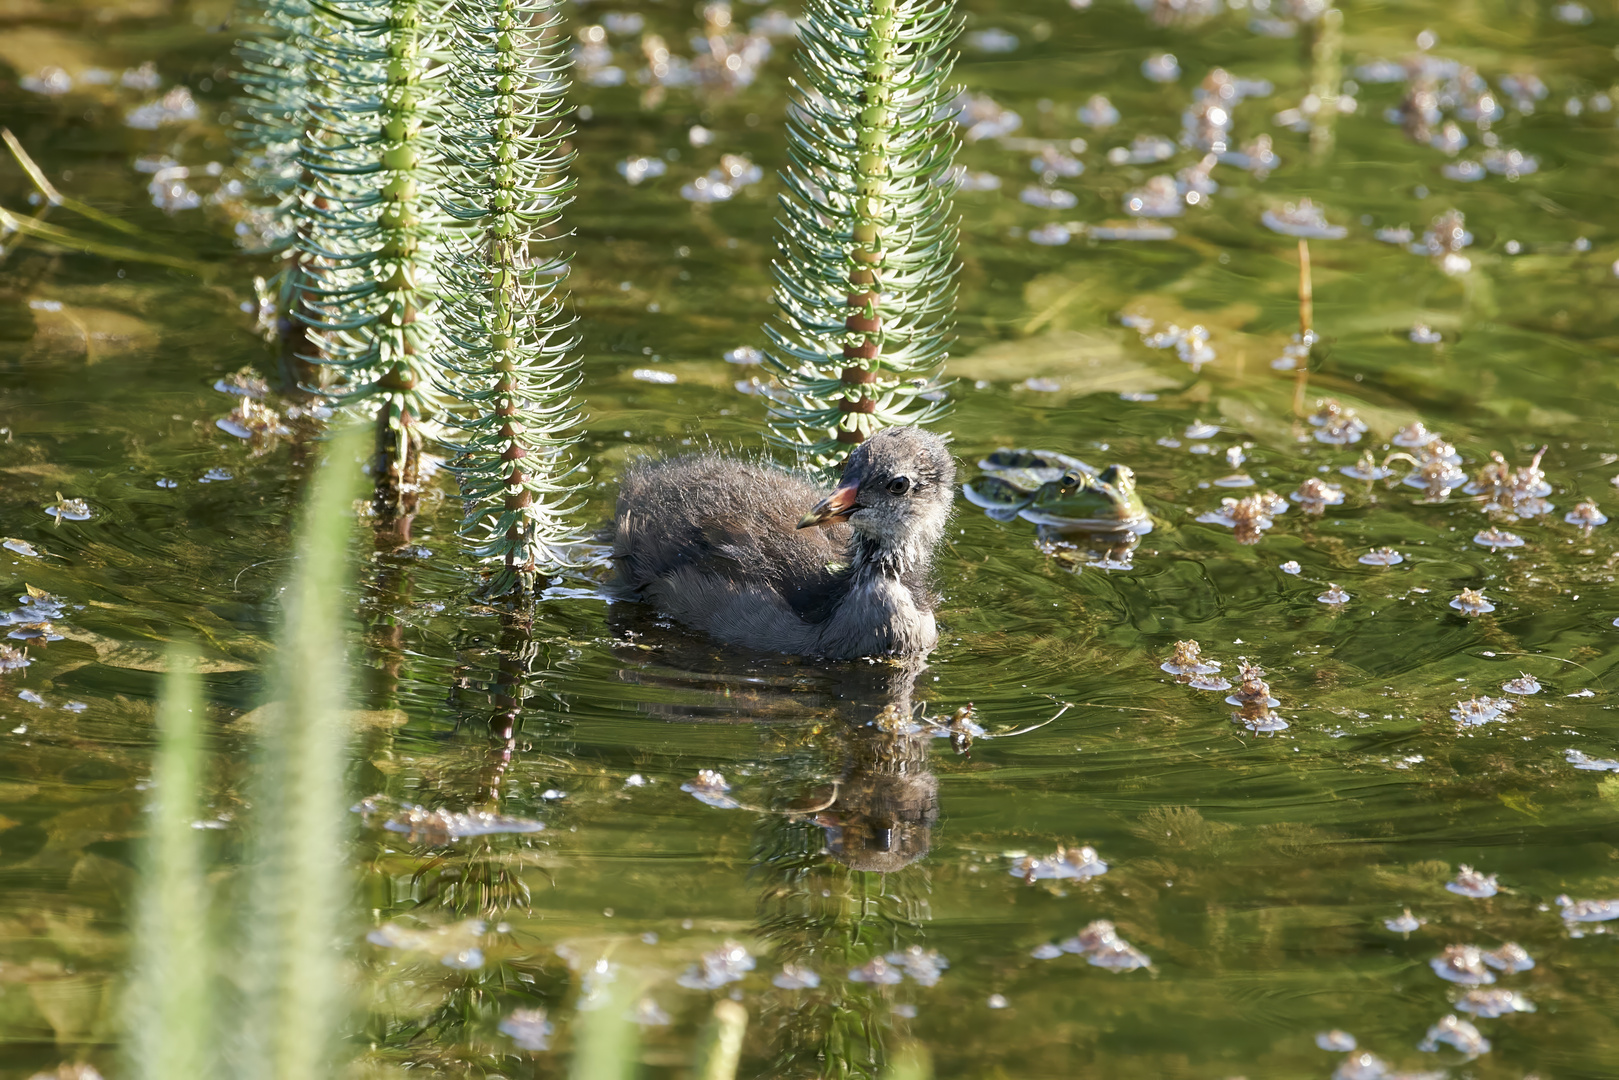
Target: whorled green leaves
866	273
509	336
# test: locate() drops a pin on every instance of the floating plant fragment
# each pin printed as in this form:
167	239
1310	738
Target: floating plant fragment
1472	602
1254	689
1335	595
1495	539
1049	198
13	658
1101	945
1524	684
1462	964
438	827
1295	352
1583	911
795	977
1423	334
1291	566
1336	424
68	509
1046	951
528	1029
21	547
1361	1066
1314	495
1469	882
244	382
1478	711
1208	682
454	946
1098	112
924	966
1302	219
1161	68
1586	515
1414	436
1457	1032
710	787
1081	863
253	420
1249	517
1490	1004
636	169
877	972
1187	659
1383	556
1510	958
1367	469
1340	1042
1580	761
726	964
1404	923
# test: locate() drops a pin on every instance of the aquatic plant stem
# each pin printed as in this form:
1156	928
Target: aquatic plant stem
298	885
168	1003
1306	319
721	1049
866	272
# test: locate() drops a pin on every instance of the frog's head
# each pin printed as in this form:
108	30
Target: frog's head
1079	501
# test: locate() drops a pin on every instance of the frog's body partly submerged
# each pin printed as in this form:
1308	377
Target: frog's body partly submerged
1059	493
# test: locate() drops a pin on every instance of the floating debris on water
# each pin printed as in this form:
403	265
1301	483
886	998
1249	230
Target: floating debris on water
1362	1066
528	1029
1291	566
1469	882
1248	517
795	977
68	509
1336	424
1208	682
1457	1032
1161	68
726	964
217	474
253	421
1314	495
1405	923
1254	689
1049	198
1496	539
1188	659
1046	951
637	169
1524	684
13	658
1444	241
1052	235
1472	602
1367	469
1296	351
244	382
1143	150
1081	863
1478	711
1580	761
710	787
1098	112
1423	334
1383	556
175	107
1462	964
21	547
454	946
745	355
1303	219
649	1014
1490	1004
924	966
438	827
1510	958
1101	945
1160	197
1335	595
1340	1042
877	972
1584	911
1586	515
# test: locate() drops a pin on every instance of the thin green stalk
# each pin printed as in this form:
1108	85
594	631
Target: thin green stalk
721	1049
298	883
169	1013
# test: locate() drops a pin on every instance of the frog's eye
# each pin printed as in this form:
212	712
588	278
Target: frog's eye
1070	480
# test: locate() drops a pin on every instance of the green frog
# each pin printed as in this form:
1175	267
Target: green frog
1059	493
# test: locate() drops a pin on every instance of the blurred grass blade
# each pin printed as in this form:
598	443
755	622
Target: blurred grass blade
168	1008
298	883
721	1048
56	198
606	1041
909	1061
55	234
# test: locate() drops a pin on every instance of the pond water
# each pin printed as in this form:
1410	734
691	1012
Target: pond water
1257	870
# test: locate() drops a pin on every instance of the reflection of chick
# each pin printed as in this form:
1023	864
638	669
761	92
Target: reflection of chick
886	804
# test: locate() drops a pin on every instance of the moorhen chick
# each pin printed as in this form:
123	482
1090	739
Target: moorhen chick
725	546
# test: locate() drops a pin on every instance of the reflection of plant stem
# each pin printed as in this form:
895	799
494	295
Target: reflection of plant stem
721	1048
56	198
1306	321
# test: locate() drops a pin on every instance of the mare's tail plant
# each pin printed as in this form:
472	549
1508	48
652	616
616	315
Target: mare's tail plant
298	888
510	337
168	1017
866	273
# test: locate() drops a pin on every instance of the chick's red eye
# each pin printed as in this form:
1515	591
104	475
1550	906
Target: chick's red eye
899	485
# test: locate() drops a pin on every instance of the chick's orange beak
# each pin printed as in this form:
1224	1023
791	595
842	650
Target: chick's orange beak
834	508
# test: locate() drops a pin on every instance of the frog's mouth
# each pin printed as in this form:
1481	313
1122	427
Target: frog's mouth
834	508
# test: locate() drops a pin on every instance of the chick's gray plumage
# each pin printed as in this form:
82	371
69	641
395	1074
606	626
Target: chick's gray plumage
714	542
